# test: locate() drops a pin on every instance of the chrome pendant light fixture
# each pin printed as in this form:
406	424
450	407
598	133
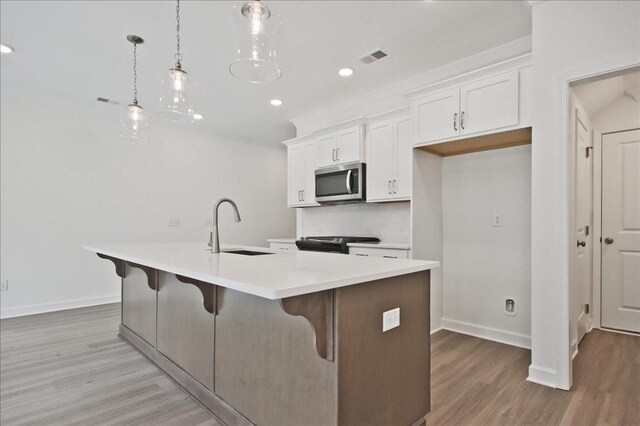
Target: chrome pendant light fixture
134	122
175	97
256	56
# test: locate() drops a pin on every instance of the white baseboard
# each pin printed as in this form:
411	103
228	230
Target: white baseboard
436	330
542	376
501	336
20	311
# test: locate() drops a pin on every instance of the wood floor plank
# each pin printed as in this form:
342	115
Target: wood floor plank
71	368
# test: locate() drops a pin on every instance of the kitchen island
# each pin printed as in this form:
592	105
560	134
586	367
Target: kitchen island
286	338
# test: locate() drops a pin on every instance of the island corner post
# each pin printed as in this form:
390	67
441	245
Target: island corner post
319	358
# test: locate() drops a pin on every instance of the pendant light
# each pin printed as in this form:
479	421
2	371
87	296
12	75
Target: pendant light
134	123
175	102
256	58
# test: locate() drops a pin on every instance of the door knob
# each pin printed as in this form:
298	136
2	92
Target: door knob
608	240
582	243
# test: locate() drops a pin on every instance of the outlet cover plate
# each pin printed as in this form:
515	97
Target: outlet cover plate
390	319
4	285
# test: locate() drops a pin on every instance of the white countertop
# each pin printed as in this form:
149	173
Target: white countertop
381	245
282	274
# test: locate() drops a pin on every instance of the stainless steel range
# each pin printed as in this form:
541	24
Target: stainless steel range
332	244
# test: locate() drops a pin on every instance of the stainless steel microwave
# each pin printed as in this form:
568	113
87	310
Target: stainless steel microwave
341	184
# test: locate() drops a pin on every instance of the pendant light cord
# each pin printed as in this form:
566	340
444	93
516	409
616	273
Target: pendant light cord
135	74
178	56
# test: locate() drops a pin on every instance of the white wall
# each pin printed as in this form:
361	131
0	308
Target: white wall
388	221
68	181
483	264
426	222
571	40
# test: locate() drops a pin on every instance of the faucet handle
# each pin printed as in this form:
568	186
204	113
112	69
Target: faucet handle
210	243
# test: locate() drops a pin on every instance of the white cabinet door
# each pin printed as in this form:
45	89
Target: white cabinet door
295	175
489	104
379	252
380	160
348	145
326	150
436	116
309	172
403	157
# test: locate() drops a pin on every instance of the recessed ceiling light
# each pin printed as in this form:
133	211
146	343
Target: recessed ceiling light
345	72
276	102
197	116
6	48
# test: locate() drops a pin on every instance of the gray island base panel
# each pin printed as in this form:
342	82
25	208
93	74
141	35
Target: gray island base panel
314	359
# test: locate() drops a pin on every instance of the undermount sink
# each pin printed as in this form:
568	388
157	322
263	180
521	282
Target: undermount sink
246	252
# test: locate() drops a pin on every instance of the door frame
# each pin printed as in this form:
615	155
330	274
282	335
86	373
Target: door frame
598	135
562	375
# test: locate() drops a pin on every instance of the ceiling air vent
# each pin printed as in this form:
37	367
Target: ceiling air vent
373	56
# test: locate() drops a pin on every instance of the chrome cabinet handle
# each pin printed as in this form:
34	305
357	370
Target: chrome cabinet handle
389	187
361	254
582	243
302	195
391	257
337	154
299	196
349	181
608	240
395	186
333	154
462	120
455	121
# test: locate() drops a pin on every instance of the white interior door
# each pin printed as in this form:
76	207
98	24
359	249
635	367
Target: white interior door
583	271
621	231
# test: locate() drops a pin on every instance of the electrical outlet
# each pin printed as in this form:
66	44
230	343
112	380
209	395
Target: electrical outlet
174	222
498	219
510	306
390	319
4	285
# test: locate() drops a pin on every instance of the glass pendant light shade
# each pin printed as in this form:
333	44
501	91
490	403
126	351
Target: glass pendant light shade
134	125
175	96
134	122
176	87
256	55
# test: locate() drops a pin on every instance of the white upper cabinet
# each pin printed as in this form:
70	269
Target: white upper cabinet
343	146
380	161
349	145
302	160
436	116
326	150
389	160
480	107
295	174
489	104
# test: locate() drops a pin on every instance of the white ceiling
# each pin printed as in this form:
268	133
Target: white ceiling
596	95
76	51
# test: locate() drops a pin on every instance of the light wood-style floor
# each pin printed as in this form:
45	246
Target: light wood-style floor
70	367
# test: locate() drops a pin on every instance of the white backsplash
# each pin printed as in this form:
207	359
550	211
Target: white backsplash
391	222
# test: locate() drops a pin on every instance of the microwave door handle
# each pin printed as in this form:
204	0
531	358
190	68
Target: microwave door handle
349	181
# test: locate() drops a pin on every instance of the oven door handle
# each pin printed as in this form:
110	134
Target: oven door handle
349	181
